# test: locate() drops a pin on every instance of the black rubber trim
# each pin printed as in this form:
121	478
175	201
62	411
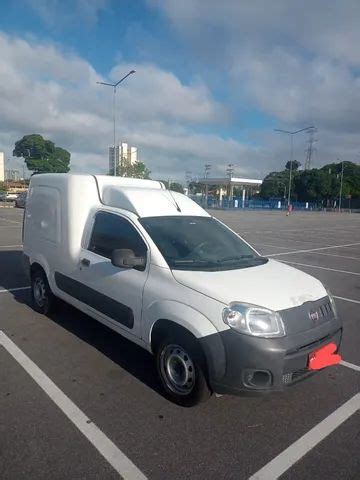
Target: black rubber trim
98	191
108	306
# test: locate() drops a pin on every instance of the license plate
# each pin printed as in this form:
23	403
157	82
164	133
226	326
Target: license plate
324	357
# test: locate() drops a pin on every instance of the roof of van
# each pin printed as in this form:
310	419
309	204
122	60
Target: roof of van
145	198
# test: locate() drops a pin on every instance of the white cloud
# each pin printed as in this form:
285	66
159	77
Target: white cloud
321	28
296	62
45	90
59	13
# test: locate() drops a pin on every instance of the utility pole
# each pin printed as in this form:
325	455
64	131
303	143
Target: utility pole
310	150
206	175
341	184
230	171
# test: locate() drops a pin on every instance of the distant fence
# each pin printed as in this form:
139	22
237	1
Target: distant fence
237	203
275	204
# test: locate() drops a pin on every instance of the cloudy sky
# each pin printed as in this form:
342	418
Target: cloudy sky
213	79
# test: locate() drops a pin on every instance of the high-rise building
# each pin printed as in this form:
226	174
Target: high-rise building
2	166
122	155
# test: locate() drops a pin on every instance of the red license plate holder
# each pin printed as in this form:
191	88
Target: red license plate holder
324	357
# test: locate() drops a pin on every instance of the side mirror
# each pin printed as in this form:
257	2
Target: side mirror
126	258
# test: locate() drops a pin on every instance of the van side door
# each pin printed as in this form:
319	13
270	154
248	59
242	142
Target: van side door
114	293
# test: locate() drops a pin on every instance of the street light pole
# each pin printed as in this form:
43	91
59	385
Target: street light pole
291	153
291	164
114	85
341	184
207	171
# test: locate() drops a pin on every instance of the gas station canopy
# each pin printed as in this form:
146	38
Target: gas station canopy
233	181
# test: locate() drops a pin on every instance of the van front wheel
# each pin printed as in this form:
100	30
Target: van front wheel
182	372
42	296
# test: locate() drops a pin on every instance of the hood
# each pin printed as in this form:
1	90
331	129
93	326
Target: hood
273	285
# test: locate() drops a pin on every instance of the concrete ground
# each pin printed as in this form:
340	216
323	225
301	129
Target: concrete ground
114	384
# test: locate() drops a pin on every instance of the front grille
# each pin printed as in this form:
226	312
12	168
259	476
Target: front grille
292	377
311	345
324	310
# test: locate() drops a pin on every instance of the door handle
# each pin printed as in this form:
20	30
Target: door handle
85	262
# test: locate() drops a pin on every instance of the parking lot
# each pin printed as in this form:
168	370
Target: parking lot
84	403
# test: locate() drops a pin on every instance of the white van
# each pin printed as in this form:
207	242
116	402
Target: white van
154	266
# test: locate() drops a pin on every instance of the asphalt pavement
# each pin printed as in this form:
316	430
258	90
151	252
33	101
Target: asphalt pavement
113	382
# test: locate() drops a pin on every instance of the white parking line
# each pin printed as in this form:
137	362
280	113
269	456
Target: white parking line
116	458
11	221
9	290
10	246
266	245
313	249
303	445
350	365
321	268
347	299
10	226
335	255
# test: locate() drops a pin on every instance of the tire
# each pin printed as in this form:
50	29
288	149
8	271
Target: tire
43	299
182	371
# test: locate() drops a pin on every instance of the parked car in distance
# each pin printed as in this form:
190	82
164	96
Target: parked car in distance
20	201
155	267
8	197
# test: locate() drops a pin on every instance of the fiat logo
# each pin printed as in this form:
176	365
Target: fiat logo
314	316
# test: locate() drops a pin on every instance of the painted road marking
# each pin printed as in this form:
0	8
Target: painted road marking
335	255
10	246
116	458
11	221
9	290
307	442
350	365
266	245
346	299
321	268
313	249
10	226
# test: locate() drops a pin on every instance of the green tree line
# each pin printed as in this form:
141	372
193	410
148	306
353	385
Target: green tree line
315	185
41	155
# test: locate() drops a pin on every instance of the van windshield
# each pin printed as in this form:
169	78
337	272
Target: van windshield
199	243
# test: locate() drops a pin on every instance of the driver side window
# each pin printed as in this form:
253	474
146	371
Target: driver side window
112	232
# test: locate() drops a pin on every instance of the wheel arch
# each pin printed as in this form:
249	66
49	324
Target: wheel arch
191	322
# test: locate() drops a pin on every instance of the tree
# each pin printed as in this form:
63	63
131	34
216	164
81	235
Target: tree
195	187
136	170
174	186
312	185
295	165
315	185
41	155
2	187
351	181
275	185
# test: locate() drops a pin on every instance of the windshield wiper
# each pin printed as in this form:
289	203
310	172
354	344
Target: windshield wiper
236	257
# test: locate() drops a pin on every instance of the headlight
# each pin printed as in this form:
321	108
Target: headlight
332	303
253	320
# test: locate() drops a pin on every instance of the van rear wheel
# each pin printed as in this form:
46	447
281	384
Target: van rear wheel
181	369
42	297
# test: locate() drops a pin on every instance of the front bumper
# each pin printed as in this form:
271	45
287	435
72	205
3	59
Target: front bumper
260	365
